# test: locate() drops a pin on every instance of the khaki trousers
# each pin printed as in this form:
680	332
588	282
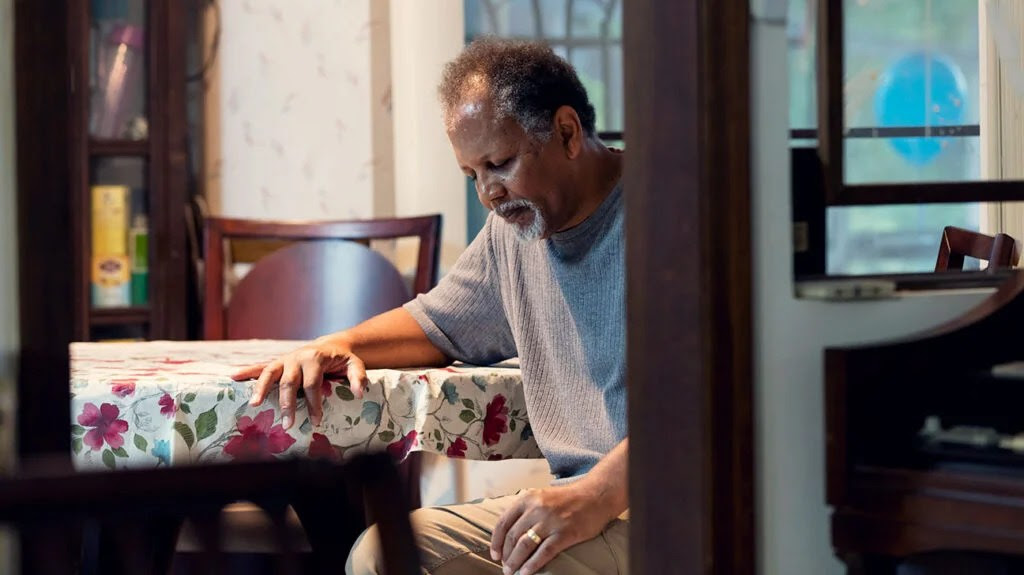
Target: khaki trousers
456	540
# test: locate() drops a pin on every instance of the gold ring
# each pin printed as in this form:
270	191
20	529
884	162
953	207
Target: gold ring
533	536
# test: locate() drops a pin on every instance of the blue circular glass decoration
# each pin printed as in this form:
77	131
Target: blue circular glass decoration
901	100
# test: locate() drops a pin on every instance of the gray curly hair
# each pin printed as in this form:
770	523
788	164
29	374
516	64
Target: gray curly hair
526	80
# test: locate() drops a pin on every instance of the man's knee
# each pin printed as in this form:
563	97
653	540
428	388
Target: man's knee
433	540
365	557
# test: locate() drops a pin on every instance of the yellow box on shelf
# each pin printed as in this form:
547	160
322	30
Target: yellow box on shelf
111	281
110	220
111	268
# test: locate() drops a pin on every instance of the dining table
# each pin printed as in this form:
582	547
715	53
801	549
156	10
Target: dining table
167	403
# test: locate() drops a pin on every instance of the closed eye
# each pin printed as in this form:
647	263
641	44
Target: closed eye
498	165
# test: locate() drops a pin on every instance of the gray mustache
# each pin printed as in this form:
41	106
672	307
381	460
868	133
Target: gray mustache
510	206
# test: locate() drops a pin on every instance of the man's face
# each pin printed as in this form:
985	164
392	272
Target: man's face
516	176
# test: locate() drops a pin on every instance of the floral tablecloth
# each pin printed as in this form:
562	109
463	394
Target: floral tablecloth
147	404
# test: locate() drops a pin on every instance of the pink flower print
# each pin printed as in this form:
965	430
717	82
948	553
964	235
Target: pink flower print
403	446
122	387
457	448
106	427
167	407
320	448
496	420
326	388
258	438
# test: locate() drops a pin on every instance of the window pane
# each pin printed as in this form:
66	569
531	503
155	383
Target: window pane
553	19
506	18
615	101
897	51
916	64
878	34
872	160
892	239
802	88
616	22
590	67
518	19
589	17
475	14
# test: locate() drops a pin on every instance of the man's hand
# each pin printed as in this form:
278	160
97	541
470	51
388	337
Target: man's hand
305	368
560	517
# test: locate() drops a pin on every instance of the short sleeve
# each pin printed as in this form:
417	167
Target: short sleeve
464	316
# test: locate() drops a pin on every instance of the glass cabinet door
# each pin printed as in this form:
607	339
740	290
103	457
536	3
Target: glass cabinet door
117	70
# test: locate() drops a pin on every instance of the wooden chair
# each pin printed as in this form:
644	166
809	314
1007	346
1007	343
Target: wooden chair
1000	251
318	278
124	522
320	281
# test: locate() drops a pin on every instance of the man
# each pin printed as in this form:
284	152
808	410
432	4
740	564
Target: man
544	281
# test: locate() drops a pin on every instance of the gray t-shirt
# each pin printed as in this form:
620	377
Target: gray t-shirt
558	304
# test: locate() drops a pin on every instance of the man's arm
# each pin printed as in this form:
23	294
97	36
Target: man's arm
391	339
608	481
562	516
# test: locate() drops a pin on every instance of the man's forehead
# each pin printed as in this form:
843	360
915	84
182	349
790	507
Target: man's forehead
474	101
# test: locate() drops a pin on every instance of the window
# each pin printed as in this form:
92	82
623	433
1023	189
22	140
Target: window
587	33
908	64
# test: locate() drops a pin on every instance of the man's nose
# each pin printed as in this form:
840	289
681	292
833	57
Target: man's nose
494	191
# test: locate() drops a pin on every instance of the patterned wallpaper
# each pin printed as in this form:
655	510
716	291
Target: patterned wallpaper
296	101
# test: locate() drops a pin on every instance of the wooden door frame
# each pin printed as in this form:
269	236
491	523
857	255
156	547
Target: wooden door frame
689	292
46	248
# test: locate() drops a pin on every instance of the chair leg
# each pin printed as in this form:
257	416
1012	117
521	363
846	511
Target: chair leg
333	518
384	500
410	472
52	549
287	557
211	558
126	547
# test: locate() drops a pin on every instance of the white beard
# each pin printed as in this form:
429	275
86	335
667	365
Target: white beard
537	226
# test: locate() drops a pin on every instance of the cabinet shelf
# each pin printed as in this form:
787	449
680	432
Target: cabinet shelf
138	148
119	316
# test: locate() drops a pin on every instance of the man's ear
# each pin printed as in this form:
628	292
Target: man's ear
569	131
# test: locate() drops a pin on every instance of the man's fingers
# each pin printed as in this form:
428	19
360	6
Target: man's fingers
249	372
550	547
312	378
290	381
507	519
356	373
514	535
523	549
268	377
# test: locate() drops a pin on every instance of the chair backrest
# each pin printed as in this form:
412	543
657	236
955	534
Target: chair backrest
322	280
127	521
1000	251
